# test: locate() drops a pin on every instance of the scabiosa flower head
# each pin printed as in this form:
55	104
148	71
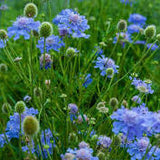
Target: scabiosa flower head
3	68
73	108
52	42
137	19
68	156
20	107
104	141
142	86
122	25
136	99
30	10
103	63
83	145
83	154
27	98
63	31
3	7
152	46
138	149
3	34
133	28
6	108
45	30
88	80
47	60
73	23
30	126
22	27
122	38
150	31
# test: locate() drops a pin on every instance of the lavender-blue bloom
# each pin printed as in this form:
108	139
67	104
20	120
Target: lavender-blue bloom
52	42
152	46
133	28
136	99
47	59
137	19
103	63
23	27
104	141
27	98
2	43
73	108
142	86
140	148
72	22
88	80
140	42
99	51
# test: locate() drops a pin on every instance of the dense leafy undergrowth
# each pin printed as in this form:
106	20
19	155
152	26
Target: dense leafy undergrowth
80	79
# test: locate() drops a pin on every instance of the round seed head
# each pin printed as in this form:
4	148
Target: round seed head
45	29
37	92
6	108
30	10
122	25
150	31
70	51
20	107
3	34
30	125
110	72
113	102
3	68
101	156
124	103
158	37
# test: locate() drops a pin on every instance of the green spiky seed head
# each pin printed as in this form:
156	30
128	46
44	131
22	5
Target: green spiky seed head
30	10
3	34
150	31
110	72
3	68
124	103
6	108
30	126
122	25
113	102
37	92
45	29
20	107
158	37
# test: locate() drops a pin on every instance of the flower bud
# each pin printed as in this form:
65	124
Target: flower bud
6	108
101	156
110	72
122	25
45	29
30	10
37	92
113	102
3	68
30	125
124	103
20	107
158	37
150	31
3	34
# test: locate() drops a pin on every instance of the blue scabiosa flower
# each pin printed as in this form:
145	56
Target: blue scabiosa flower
71	22
27	98
88	80
142	86
83	153
104	141
52	43
140	42
127	1
103	63
122	38
23	27
137	19
2	140
136	99
140	148
133	28
152	46
99	51
73	108
47	60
